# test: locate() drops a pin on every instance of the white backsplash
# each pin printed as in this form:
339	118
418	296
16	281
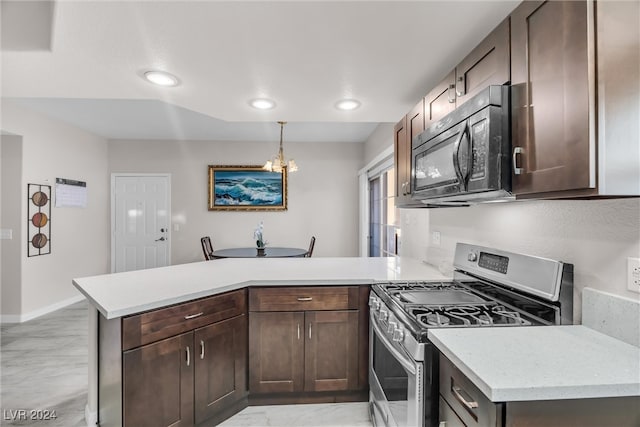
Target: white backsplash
612	315
596	236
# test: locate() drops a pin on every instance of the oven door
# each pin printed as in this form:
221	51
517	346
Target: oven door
396	397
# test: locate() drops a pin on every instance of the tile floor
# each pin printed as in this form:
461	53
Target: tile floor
43	365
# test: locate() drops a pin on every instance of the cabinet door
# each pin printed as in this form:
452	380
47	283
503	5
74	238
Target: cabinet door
331	351
158	383
551	100
487	64
276	352
220	366
400	153
411	126
440	101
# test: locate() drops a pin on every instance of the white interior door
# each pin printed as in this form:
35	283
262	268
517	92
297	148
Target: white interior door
140	220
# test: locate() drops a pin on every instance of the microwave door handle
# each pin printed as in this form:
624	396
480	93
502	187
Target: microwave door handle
456	159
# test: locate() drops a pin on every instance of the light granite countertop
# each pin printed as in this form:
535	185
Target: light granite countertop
599	358
122	294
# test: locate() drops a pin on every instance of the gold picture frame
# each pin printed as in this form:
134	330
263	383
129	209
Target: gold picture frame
246	188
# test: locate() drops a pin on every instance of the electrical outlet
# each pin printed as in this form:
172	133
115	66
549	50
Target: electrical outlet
435	238
633	274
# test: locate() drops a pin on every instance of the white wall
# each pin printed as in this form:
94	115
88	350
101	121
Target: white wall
79	237
322	195
11	265
378	141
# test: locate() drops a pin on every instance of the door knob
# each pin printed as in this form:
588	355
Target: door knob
162	239
162	230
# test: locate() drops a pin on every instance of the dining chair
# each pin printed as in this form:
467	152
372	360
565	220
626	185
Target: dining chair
311	245
207	249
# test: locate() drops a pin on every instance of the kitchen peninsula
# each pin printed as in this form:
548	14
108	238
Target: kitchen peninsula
193	344
176	338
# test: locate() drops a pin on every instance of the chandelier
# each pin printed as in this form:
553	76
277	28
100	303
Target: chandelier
278	164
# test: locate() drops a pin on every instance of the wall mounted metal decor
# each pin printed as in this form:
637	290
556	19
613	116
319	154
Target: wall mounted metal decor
39	219
247	188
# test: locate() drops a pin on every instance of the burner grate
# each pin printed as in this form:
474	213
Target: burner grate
467	315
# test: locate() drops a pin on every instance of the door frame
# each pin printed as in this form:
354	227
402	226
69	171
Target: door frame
113	212
379	163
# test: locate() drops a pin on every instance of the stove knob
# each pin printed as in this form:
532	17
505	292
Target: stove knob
472	256
384	315
374	303
398	334
391	327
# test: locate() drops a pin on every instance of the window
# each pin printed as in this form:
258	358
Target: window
384	231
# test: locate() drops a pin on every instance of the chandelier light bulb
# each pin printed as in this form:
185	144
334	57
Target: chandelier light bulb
278	163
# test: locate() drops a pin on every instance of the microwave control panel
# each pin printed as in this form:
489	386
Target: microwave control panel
479	138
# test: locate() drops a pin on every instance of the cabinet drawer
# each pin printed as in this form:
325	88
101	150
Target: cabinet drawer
465	399
158	324
303	298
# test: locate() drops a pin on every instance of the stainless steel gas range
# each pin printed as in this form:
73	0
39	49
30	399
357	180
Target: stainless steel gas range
490	288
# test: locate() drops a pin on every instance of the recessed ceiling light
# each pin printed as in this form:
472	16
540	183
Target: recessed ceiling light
161	78
347	104
262	103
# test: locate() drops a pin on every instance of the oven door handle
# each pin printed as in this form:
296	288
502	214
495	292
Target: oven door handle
405	361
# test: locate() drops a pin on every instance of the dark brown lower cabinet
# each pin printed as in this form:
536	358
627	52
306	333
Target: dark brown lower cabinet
158	384
220	367
187	379
314	351
331	350
276	352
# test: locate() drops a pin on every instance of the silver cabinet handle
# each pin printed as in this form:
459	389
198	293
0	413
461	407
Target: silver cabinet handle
451	89
298	330
405	188
460	92
193	316
309	330
408	187
469	404
516	151
188	356
201	349
305	298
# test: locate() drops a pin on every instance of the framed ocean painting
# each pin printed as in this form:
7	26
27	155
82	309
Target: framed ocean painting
248	188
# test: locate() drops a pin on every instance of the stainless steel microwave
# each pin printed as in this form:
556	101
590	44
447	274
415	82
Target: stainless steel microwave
465	157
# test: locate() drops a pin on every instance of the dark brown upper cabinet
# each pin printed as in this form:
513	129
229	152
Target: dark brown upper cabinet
487	64
441	100
405	130
569	139
552	130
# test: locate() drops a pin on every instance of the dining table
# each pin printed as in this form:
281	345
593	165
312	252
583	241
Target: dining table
252	252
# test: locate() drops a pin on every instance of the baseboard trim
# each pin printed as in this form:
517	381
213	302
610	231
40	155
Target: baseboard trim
91	417
20	318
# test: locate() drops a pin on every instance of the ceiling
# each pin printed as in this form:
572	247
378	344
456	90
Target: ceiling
82	61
